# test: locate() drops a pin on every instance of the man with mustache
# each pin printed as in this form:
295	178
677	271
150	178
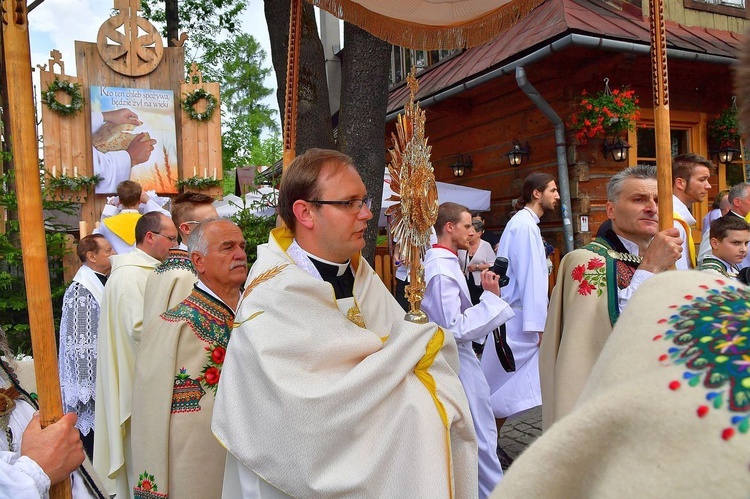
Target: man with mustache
595	283
326	391
178	369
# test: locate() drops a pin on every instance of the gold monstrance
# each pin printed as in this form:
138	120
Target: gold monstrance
416	196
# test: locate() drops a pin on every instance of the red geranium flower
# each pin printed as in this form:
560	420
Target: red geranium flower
595	263
578	272
212	375
218	353
585	288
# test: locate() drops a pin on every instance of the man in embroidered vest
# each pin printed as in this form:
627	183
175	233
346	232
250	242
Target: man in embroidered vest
690	174
120	326
511	359
729	237
447	302
173	280
326	391
31	458
665	410
119	229
178	367
595	283
79	326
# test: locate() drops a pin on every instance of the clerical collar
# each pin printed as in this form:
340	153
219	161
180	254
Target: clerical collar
445	248
629	245
102	278
205	288
337	269
129	210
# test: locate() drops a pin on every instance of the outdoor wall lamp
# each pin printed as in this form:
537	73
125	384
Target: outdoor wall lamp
618	148
461	166
725	154
515	155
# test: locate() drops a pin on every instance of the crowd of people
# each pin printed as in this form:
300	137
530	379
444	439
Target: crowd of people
186	375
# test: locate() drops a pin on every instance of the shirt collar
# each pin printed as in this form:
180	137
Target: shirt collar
340	267
629	245
533	214
205	288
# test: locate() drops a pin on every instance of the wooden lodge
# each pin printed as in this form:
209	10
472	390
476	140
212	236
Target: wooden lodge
475	107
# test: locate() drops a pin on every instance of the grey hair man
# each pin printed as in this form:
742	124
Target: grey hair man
180	361
595	283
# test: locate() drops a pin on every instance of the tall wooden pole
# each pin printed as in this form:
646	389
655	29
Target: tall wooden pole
17	54
292	82
661	113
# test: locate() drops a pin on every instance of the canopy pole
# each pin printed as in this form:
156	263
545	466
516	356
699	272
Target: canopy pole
24	147
661	113
292	82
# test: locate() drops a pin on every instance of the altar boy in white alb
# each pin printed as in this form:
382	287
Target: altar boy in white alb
447	302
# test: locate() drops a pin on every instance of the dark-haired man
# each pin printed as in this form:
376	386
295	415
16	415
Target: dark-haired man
447	302
355	400
79	327
690	174
173	280
120	328
511	357
595	283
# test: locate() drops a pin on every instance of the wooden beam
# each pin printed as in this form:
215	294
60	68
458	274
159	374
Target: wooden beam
17	55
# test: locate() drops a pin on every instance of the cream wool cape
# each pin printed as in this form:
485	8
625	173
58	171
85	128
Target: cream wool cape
649	423
578	325
171	424
318	406
168	285
120	325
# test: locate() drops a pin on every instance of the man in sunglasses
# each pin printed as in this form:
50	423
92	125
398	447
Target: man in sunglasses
120	325
326	390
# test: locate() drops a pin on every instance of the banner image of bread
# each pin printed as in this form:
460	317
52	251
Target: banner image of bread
133	138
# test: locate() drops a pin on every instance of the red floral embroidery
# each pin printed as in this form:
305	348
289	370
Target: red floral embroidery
212	375
578	272
585	288
218	354
590	276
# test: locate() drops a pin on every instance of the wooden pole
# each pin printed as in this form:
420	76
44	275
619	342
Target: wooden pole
661	113
292	82
17	54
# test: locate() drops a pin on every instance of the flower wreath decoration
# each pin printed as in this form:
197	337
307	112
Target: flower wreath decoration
188	104
72	89
199	182
73	183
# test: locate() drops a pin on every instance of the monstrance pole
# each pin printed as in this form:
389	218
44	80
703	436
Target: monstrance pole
24	147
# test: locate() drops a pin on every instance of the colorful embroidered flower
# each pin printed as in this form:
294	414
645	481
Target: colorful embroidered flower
743	364
578	272
218	354
732	344
595	263
585	288
212	375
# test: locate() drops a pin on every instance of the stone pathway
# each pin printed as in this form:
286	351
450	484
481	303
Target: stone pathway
519	431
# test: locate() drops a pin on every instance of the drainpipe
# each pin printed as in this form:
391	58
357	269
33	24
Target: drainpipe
562	161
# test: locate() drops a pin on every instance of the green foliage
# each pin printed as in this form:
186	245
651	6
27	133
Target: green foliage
255	228
73	183
14	314
605	112
199	182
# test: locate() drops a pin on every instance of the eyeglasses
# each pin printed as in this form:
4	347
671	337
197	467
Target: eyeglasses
171	238
352	205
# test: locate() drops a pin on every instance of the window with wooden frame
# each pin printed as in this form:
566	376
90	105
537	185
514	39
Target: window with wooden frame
734	8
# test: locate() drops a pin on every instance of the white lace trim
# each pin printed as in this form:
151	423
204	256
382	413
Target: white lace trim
78	338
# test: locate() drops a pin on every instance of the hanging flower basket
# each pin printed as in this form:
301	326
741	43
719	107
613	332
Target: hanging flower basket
607	112
724	130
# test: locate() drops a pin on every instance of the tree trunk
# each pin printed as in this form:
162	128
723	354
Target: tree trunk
173	21
364	97
314	127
